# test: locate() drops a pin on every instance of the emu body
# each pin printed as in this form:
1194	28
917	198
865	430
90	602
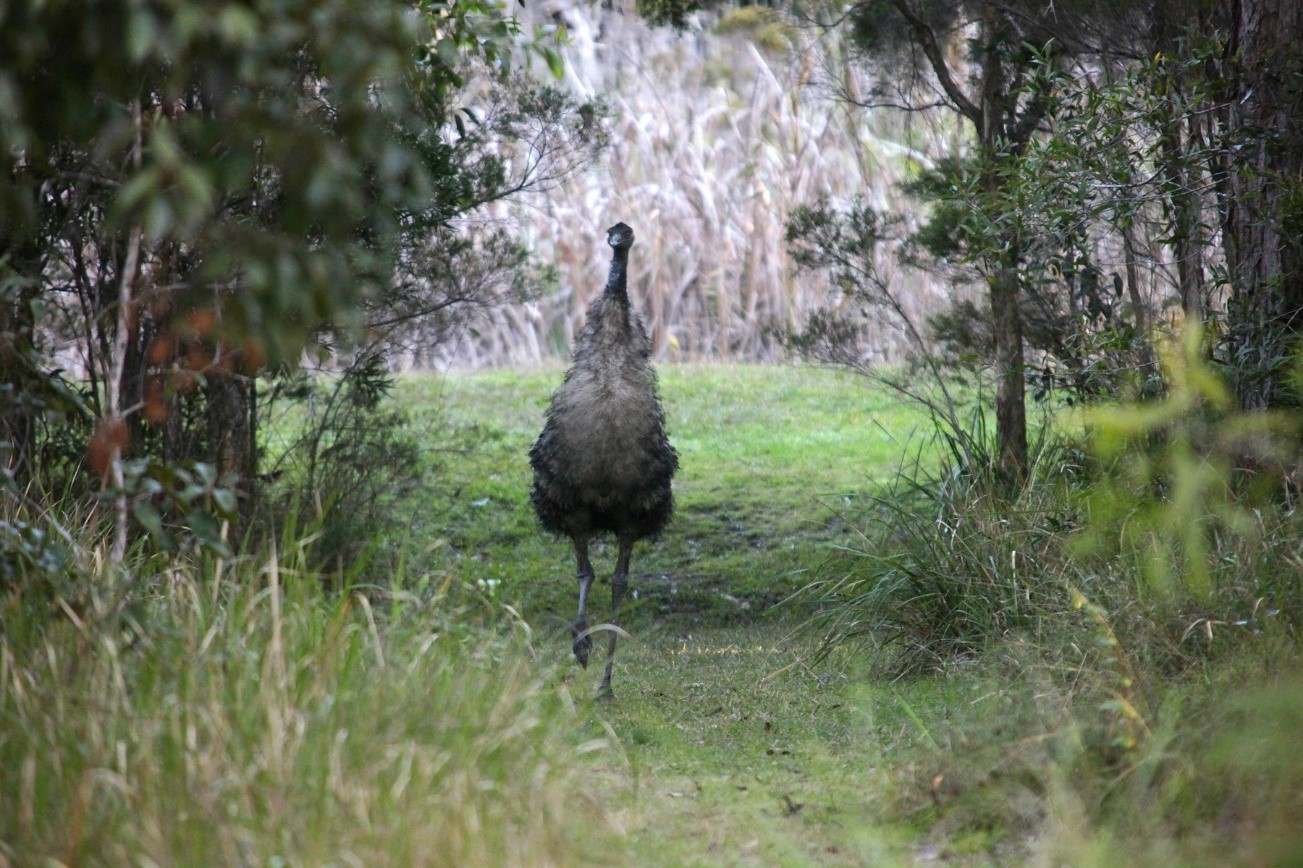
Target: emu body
603	463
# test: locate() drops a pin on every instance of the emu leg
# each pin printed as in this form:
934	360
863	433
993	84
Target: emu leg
583	643
619	582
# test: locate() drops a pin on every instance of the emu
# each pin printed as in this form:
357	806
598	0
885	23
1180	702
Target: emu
603	463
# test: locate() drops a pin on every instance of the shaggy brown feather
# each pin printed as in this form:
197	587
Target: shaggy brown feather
604	462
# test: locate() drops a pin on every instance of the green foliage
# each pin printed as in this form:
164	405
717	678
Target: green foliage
345	467
196	192
946	569
881	31
179	504
228	706
1105	157
1262	772
847	244
1105	716
762	24
1089	343
948	232
32	556
49	422
267	139
1173	492
673	13
844	239
1126	724
1154	520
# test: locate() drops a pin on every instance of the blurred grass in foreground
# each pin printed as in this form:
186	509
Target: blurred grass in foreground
251	720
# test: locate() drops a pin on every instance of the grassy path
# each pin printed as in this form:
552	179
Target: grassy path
772	461
731	750
737	754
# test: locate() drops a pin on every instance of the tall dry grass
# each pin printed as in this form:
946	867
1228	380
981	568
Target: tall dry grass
238	716
717	133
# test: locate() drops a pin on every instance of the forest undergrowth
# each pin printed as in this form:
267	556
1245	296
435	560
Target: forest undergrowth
844	651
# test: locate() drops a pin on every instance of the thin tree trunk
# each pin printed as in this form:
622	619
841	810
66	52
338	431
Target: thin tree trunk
1184	232
17	338
1002	277
230	437
1003	128
1011	386
114	424
230	403
1186	243
1133	279
1266	139
114	412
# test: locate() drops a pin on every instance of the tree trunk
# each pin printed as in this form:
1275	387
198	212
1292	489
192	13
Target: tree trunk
1133	279
1005	117
1011	387
230	431
17	339
1171	27
1264	130
994	136
1184	235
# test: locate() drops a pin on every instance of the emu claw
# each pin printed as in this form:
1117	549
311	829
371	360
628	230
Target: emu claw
583	643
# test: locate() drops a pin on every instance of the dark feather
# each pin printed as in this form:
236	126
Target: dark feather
604	462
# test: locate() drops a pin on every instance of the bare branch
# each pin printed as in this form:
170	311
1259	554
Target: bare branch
932	50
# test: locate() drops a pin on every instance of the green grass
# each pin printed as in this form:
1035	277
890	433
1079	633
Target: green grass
235	713
732	748
737	752
772	462
733	751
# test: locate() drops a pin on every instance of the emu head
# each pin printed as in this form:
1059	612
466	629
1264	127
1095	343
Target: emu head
620	236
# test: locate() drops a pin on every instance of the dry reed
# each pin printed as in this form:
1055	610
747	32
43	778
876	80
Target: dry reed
715	138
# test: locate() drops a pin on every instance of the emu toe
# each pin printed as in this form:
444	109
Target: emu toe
583	643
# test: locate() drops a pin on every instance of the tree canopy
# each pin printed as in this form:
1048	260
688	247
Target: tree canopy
196	192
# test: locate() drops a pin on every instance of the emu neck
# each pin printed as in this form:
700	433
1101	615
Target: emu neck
617	283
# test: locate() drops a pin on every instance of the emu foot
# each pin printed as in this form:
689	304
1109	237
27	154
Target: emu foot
605	694
583	643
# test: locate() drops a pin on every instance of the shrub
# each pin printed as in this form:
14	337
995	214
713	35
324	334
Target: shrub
350	459
1132	614
950	564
